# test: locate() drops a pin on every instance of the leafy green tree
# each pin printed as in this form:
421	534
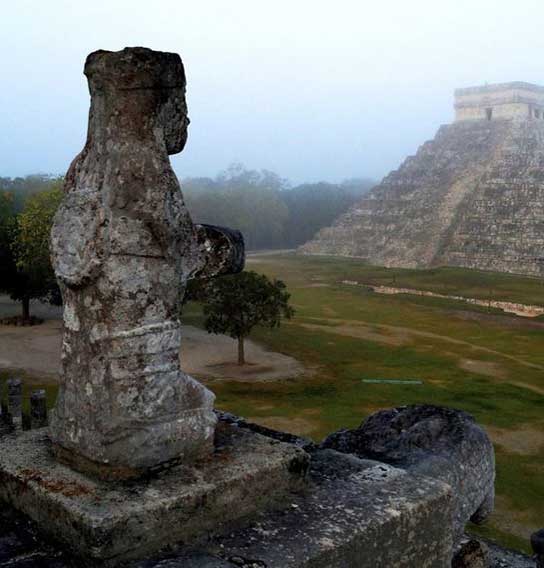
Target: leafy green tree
235	304
29	274
6	206
8	223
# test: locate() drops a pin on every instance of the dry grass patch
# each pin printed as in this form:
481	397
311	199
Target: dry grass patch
528	440
365	332
506	518
298	426
486	368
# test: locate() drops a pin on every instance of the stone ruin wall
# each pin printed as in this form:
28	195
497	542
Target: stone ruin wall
505	110
501	226
515	100
472	197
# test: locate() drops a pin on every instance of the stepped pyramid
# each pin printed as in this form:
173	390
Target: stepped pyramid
472	197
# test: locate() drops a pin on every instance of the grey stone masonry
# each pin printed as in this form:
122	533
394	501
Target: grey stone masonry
112	521
503	100
442	443
15	400
22	546
471	197
38	409
123	247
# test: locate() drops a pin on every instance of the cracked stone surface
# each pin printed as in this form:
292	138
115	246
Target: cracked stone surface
22	546
123	247
443	443
113	521
352	512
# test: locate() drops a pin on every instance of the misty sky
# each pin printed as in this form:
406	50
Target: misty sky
314	90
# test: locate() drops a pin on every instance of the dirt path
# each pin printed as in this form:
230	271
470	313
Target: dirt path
209	356
522	310
525	440
404	332
36	351
397	335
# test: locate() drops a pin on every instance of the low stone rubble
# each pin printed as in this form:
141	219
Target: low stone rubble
442	443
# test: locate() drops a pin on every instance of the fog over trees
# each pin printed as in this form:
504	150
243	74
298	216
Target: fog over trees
269	212
16	190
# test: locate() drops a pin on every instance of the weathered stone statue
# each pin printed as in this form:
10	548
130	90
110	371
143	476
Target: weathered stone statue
123	247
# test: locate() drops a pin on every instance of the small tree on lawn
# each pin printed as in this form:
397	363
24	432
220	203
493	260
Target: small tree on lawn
235	304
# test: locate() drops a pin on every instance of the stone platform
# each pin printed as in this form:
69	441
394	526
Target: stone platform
242	508
356	514
116	521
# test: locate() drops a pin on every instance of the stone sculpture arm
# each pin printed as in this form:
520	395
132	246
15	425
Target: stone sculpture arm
220	251
204	251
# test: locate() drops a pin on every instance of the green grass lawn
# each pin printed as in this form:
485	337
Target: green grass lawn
443	280
487	363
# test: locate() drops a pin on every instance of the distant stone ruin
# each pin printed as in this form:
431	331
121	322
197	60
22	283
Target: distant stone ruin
471	197
505	100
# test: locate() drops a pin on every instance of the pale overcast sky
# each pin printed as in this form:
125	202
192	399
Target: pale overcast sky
314	90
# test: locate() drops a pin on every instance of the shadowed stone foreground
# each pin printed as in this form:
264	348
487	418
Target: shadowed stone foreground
113	521
438	442
21	546
354	512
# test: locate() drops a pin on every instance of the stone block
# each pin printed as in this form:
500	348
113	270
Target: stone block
438	442
356	513
114	521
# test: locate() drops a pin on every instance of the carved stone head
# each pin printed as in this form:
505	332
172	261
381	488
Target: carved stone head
143	91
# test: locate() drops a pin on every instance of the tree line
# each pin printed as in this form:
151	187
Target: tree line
262	205
265	208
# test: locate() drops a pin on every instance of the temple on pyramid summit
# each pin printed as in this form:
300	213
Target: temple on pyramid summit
503	100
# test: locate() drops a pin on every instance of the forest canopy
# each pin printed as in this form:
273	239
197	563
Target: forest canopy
265	208
269	212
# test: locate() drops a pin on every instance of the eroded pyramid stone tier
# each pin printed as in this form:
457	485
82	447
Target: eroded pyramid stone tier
123	247
471	197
